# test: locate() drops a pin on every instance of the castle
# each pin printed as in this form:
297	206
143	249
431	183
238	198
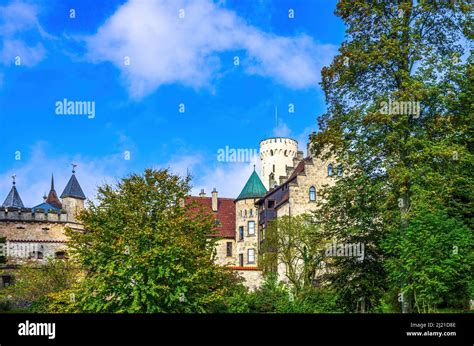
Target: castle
288	185
37	233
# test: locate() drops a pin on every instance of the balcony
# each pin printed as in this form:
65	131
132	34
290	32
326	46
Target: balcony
267	215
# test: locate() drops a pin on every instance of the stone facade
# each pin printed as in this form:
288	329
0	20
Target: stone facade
246	232
297	193
222	256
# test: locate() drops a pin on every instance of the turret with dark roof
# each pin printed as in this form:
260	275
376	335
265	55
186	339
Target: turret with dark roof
13	199
73	189
254	187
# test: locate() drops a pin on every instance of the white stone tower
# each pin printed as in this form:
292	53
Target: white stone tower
276	153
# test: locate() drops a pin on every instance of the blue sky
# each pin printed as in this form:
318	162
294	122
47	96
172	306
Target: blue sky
174	60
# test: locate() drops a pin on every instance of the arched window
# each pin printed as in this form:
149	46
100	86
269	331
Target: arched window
339	171
330	170
251	212
273	168
271	152
312	193
245	212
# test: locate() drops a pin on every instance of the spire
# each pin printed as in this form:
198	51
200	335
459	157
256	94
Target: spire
52	196
13	199
254	187
73	189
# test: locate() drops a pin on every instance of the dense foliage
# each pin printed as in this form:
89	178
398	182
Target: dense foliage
400	121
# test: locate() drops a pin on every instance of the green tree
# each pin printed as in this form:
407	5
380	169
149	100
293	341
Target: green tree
295	242
145	250
398	121
432	259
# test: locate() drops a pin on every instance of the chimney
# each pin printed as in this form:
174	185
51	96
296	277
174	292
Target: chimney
214	200
202	193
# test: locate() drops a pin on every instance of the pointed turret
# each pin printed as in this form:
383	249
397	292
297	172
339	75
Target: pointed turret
52	196
73	189
73	197
13	199
254	187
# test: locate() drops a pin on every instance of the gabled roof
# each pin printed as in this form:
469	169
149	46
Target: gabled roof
254	187
52	198
225	214
73	189
13	199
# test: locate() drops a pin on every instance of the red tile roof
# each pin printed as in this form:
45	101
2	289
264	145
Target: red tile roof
225	214
243	268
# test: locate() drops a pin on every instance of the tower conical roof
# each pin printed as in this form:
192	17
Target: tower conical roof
13	199
53	197
73	189
254	187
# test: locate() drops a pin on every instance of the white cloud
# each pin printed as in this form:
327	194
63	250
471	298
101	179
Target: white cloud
164	48
281	130
16	19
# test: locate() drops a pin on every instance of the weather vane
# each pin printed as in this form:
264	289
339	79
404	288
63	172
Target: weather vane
13	177
73	167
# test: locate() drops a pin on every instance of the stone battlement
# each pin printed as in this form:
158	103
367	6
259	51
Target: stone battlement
38	215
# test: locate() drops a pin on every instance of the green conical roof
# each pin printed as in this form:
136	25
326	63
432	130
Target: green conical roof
253	188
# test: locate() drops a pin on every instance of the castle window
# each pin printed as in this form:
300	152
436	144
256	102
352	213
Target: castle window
60	255
286	152
271	152
245	212
251	227
273	168
251	212
241	232
312	193
229	249
241	259
251	256
35	255
6	280
339	171
330	170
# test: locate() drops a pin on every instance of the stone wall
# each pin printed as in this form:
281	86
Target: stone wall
246	211
221	252
253	278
